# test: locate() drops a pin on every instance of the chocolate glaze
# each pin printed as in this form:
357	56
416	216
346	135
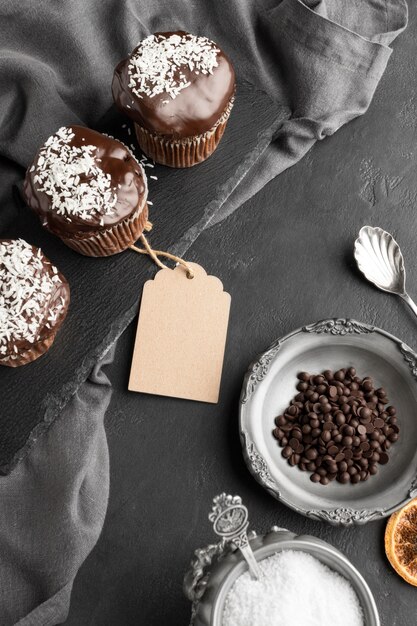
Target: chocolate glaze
114	158
61	290
195	109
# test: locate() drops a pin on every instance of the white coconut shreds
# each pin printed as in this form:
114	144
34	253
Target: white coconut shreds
27	291
60	173
296	589
157	65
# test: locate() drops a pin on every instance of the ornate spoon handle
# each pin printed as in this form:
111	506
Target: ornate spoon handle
410	302
230	521
254	570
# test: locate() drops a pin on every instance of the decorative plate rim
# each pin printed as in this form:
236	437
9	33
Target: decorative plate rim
258	466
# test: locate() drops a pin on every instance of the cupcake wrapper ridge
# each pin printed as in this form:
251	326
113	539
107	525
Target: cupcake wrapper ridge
184	152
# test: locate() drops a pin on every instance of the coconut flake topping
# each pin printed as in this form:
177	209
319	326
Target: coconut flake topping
28	294
157	66
71	177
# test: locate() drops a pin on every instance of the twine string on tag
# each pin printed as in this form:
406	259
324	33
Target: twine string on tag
154	254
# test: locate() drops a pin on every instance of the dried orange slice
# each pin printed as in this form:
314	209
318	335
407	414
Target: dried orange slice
401	542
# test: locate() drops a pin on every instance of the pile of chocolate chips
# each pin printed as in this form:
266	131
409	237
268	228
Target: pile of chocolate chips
337	427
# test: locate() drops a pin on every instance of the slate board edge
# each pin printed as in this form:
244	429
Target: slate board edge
188	239
57	403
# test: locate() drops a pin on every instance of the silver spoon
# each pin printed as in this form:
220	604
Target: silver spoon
379	258
230	521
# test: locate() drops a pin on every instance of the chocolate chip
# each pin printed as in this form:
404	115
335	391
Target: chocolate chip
311	454
340	418
383	458
365	414
332	391
278	433
348	430
367	385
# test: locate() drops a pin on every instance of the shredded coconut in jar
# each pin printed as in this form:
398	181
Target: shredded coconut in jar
296	590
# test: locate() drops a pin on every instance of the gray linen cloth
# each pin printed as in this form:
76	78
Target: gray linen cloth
322	57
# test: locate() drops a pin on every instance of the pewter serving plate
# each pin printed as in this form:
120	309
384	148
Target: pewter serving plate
269	386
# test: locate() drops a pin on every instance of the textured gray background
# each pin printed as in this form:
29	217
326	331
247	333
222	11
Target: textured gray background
286	258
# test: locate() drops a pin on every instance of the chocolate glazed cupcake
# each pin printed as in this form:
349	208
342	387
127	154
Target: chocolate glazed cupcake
179	90
89	190
34	299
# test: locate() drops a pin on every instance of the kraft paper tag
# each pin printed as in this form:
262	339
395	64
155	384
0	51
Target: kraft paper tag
181	335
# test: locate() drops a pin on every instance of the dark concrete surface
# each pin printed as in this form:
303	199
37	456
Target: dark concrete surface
286	258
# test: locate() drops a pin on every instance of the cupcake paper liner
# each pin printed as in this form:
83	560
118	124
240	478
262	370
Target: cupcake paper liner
38	349
184	152
112	240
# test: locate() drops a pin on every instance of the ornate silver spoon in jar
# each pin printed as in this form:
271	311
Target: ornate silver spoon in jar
379	258
230	521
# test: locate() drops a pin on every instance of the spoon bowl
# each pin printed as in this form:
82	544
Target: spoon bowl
379	258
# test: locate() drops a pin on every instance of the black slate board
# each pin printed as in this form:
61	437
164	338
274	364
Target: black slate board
105	292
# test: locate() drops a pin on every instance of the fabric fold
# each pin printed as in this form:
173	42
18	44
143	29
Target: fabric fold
53	507
332	73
